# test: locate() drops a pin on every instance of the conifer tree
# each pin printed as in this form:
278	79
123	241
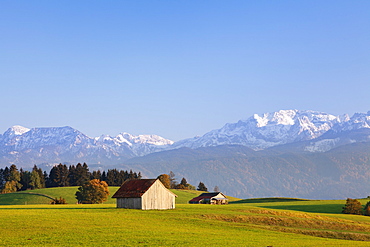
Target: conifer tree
2	180
184	182
15	176
202	187
25	179
62	176
72	175
6	173
104	176
96	175
35	180
47	180
122	177
41	175
82	174
111	179
59	176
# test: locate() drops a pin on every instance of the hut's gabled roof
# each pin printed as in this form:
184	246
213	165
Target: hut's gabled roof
134	188
208	196
211	194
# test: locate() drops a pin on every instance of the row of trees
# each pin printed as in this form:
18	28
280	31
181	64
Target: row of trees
353	206
12	179
169	181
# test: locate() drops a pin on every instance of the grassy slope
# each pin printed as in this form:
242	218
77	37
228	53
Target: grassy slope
32	197
23	199
253	222
230	225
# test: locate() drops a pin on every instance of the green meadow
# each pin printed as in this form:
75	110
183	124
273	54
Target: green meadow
253	222
43	196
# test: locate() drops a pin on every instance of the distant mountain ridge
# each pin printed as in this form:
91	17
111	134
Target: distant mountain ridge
314	131
23	146
277	128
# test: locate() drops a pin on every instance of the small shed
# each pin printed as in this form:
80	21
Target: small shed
144	194
210	198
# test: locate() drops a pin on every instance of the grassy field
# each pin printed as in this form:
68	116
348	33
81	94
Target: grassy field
254	222
43	196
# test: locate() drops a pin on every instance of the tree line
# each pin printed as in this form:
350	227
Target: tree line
12	179
169	181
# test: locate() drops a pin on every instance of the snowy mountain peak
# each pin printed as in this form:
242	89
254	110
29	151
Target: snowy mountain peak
130	140
284	117
150	139
17	130
357	121
291	117
13	132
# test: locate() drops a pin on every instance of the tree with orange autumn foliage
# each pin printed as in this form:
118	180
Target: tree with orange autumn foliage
93	192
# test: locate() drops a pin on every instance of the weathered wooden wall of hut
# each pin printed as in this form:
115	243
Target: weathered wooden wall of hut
134	203
158	197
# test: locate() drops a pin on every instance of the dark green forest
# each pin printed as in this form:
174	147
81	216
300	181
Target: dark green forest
12	179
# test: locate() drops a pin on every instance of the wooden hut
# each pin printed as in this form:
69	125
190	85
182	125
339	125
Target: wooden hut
144	194
210	198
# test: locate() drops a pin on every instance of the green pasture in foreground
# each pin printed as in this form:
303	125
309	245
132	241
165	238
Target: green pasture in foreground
251	222
244	224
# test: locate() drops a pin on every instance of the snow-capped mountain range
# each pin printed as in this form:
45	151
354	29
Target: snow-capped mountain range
318	131
271	129
20	145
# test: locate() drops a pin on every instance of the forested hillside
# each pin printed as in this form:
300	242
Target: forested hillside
239	171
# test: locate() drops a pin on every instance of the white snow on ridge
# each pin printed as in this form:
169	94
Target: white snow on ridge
150	139
130	140
19	130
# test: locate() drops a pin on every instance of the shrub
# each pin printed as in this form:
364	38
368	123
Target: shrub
61	200
353	206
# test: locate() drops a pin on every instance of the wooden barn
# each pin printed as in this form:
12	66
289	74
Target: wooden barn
144	194
210	198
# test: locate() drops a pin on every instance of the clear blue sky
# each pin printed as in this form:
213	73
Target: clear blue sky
178	68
